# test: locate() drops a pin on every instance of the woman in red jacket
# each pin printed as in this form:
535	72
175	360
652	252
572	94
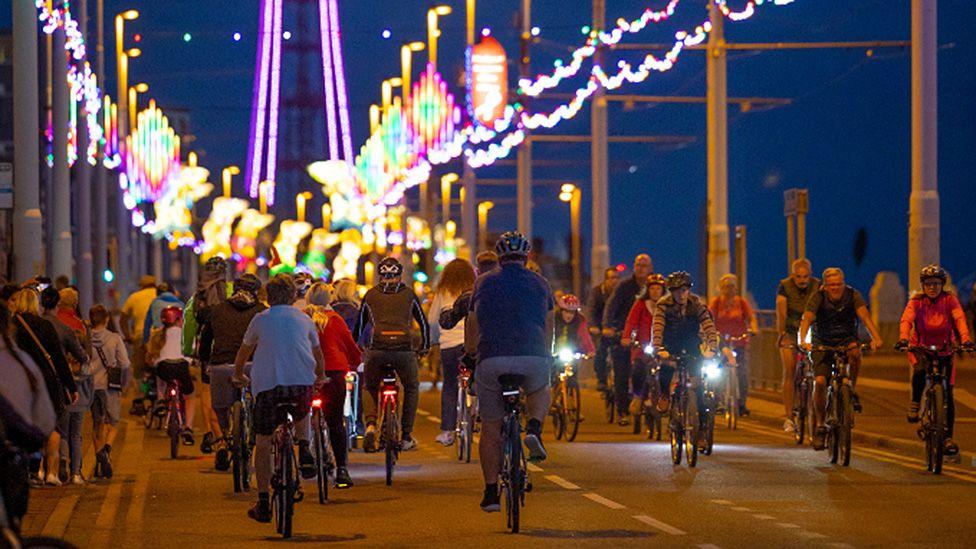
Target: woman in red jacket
637	334
341	354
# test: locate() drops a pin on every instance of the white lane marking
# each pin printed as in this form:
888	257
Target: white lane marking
662	526
592	496
741	509
57	522
722	501
787	525
883	384
811	535
423	412
840	545
965	397
708	546
534	468
762	517
433	419
560	481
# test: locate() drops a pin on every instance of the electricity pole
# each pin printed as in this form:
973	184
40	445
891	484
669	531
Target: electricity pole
716	106
923	217
600	247
524	154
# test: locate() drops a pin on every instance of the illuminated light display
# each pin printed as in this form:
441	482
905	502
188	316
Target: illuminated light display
290	235
174	218
487	81
433	115
244	240
152	156
217	229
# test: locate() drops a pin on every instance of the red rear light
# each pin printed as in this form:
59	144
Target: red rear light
316	403
172	392
389	392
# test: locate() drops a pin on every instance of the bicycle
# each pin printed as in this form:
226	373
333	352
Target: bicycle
935	401
839	414
684	415
711	374
350	410
609	398
467	411
803	382
241	440
389	423
175	420
565	410
285	486
325	462
647	413
514	475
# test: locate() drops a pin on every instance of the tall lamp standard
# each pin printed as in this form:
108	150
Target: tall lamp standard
570	193
433	32
446	181
406	65
483	208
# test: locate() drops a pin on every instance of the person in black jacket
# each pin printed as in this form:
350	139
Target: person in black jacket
614	317
595	307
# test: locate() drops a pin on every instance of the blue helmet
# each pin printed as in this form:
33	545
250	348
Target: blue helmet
512	244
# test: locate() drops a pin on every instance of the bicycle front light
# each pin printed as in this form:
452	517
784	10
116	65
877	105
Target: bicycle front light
711	370
566	355
649	349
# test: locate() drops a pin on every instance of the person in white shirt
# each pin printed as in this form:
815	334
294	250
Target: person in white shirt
165	353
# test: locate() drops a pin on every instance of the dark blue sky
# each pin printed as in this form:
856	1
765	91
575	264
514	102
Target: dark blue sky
846	136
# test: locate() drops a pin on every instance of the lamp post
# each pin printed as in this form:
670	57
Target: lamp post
433	32
406	60
446	181
570	193
264	188
122	57
127	255
227	176
300	200
483	208
141	87
386	89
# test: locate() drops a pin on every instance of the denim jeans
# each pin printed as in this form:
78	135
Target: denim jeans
69	425
450	362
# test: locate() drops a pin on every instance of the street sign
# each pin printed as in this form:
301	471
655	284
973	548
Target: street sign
6	185
487	80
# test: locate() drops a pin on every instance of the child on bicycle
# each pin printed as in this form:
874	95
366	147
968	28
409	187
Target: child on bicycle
637	335
164	352
934	318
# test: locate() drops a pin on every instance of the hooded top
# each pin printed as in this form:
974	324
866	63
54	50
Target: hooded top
390	308
222	327
113	349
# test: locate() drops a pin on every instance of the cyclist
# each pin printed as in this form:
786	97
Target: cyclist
597	303
222	328
614	317
303	281
933	318
637	335
389	308
164	352
833	312
512	320
682	324
734	318
791	301
287	364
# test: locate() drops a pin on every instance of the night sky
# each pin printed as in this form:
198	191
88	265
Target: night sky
846	136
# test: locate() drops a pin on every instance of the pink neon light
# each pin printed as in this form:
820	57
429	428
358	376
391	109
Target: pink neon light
260	100
340	81
275	98
327	76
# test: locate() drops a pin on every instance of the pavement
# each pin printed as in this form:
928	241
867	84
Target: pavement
607	488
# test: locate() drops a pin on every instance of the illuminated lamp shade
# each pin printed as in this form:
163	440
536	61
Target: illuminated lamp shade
333	175
487	70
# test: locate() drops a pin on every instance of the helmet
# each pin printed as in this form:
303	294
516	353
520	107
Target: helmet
569	302
171	315
247	282
512	244
214	266
302	281
389	267
679	279
933	271
655	278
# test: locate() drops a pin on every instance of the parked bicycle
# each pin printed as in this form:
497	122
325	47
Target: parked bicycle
565	409
514	476
467	413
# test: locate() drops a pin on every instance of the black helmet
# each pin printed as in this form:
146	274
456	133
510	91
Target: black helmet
933	271
389	267
215	265
679	279
512	244
249	283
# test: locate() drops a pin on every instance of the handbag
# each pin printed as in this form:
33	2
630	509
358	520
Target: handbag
114	372
65	394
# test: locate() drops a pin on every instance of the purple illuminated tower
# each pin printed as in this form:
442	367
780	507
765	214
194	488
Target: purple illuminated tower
287	133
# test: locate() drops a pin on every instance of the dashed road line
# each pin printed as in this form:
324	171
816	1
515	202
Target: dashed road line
433	419
593	496
561	482
741	509
534	468
423	412
662	526
760	516
811	535
57	521
787	525
722	501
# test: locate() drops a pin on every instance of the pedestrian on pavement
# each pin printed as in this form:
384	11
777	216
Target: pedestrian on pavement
40	340
341	355
287	362
456	278
594	314
112	372
165	297
614	318
70	423
132	320
27	419
69	314
734	319
791	301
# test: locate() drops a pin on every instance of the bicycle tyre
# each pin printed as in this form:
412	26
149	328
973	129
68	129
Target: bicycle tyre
557	410
288	493
516	474
235	451
390	438
709	430
173	430
572	411
676	427
937	429
278	489
460	423
846	423
608	395
691	431
321	478
247	446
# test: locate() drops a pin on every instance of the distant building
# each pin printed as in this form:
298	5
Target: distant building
6	97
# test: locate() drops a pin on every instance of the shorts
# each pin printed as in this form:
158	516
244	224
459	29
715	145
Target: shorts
106	407
266	405
535	370
223	394
179	370
823	362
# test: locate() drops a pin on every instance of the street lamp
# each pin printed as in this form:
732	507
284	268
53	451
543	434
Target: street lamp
141	87
386	89
406	54
433	32
300	200
469	12
264	188
571	193
123	61
227	175
446	181
483	208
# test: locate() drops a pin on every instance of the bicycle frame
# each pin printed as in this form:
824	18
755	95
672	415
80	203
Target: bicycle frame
284	480
350	409
175	419
388	423
464	424
514	473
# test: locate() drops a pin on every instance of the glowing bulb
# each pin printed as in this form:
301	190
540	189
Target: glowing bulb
586	29
187	37
237	37
486	32
286	35
387	33
535	31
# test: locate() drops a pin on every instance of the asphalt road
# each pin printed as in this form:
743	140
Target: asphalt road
608	488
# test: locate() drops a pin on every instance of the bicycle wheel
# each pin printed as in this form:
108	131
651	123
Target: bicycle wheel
246	448
235	451
710	427
515	474
321	476
288	493
799	416
390	438
937	428
572	411
558	412
676	428
846	424
608	396
460	423
173	430
691	430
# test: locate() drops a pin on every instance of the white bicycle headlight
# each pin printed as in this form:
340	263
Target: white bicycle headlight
649	349
711	370
566	355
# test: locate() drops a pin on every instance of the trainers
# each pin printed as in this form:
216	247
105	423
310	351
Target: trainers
913	413
788	426
446	438
623	421
533	441
52	480
261	511
76	479
206	444
188	437
306	461
63	474
105	463
663	404
819	439
222	460
491	501
856	402
951	448
407	443
342	478
369	439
